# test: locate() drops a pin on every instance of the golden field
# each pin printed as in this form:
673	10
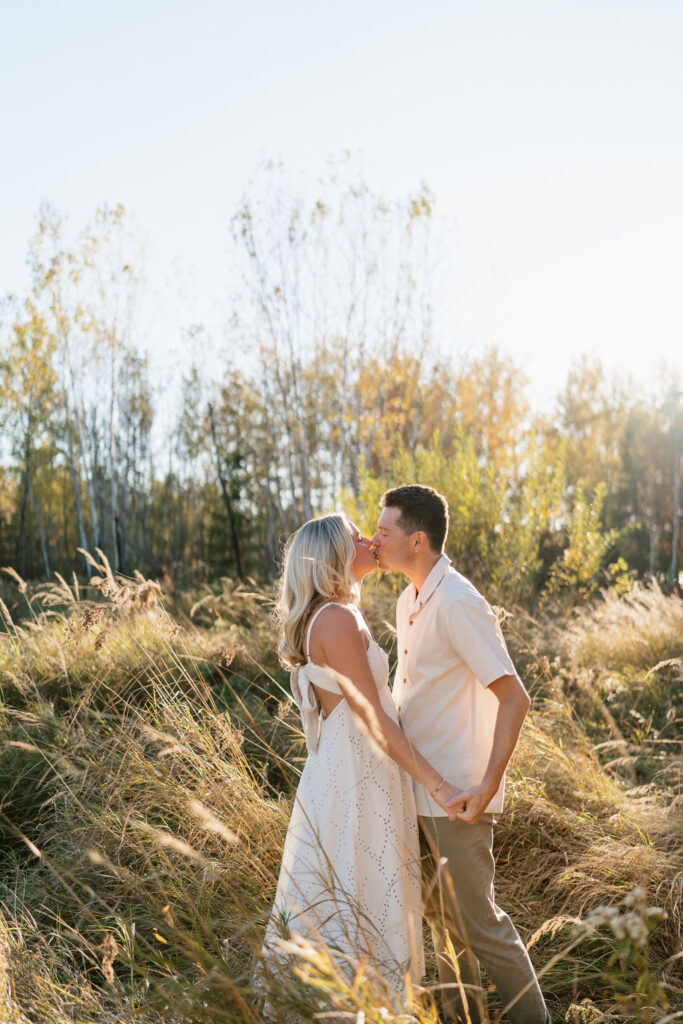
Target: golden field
149	755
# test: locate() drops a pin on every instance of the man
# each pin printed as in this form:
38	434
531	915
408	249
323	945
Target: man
462	705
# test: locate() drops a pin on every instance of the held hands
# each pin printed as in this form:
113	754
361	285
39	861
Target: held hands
469	804
449	799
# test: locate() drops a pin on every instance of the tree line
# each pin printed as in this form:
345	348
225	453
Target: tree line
328	388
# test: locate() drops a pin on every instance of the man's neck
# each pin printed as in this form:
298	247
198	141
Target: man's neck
418	573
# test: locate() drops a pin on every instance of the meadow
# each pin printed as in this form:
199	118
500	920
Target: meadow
149	754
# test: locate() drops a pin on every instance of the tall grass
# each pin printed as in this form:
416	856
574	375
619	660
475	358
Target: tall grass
146	770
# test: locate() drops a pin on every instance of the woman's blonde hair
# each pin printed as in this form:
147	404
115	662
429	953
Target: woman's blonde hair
317	568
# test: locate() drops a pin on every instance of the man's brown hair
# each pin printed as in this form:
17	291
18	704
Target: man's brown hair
422	508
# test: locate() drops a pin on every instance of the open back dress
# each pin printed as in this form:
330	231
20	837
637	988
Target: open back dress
350	873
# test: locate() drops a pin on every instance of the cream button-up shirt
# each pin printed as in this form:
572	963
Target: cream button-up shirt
450	647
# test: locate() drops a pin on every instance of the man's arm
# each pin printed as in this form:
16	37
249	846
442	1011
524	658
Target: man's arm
513	704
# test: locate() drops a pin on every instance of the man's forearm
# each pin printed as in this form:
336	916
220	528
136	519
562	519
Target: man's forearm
513	704
512	709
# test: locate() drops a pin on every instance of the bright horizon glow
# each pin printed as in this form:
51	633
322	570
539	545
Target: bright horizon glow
549	133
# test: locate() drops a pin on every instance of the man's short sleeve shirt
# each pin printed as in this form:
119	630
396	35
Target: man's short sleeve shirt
450	648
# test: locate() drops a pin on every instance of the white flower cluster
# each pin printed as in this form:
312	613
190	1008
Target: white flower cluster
631	924
403	1018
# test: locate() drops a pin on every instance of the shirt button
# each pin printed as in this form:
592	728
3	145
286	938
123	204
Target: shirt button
406	651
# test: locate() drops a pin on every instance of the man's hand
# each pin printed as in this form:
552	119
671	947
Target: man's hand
469	804
449	798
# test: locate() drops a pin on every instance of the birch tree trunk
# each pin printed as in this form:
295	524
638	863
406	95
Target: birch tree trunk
88	461
76	485
113	492
21	541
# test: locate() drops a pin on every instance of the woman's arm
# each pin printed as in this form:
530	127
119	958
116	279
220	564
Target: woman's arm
343	649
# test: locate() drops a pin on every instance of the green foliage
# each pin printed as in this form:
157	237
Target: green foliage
622	578
497	523
638	990
577	570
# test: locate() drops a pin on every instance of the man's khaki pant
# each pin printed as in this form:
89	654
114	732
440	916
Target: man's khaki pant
459	899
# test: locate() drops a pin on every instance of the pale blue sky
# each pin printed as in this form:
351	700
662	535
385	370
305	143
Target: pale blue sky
551	133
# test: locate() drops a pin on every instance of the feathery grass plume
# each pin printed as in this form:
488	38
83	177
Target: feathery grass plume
211	822
66	590
640	629
13	574
110	950
6	617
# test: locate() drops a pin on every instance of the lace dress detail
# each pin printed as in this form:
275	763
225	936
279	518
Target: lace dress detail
350	870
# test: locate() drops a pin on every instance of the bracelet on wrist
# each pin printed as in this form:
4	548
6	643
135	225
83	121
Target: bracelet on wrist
433	792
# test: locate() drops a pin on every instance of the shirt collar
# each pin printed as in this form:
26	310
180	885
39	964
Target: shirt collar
436	574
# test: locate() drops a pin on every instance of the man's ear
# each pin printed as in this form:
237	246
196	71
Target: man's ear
419	539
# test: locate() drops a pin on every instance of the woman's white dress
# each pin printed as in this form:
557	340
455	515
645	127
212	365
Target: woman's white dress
350	870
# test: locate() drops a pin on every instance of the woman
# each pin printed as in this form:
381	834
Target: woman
350	872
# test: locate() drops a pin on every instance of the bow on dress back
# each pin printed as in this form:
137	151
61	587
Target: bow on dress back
302	680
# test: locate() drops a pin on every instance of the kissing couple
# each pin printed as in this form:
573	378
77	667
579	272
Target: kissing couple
395	809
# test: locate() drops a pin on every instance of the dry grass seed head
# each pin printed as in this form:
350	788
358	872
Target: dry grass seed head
22	584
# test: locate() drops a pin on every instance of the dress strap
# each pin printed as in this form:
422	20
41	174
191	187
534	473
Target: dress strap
307	646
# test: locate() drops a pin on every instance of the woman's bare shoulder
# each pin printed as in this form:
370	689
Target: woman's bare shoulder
338	635
334	623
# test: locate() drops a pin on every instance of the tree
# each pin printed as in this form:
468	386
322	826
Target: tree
592	413
492	407
27	382
331	282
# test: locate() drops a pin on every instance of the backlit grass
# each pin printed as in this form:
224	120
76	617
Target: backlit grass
147	764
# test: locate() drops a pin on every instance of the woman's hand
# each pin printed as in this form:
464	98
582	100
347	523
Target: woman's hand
450	793
472	803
